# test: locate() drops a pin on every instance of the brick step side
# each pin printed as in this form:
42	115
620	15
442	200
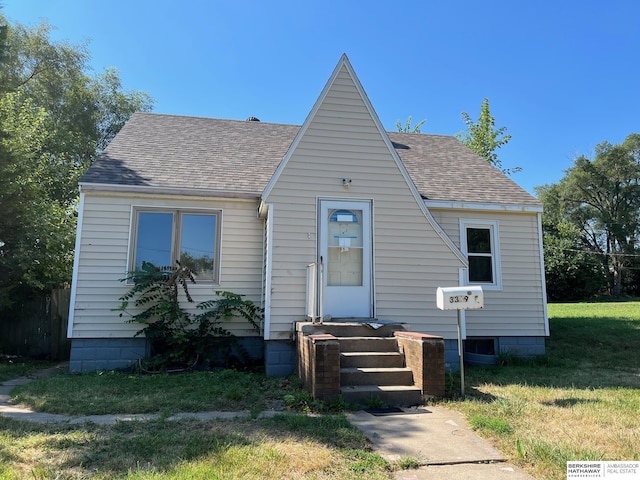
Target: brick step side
372	359
376	376
368	344
388	395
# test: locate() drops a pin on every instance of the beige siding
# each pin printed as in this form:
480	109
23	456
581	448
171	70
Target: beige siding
411	260
104	247
516	309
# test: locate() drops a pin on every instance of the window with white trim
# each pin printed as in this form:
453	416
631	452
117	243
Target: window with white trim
163	237
479	242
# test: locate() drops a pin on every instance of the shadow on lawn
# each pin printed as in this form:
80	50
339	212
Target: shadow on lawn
581	353
168	446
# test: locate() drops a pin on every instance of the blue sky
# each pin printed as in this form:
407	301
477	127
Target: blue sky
561	75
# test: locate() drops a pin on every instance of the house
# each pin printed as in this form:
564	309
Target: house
391	217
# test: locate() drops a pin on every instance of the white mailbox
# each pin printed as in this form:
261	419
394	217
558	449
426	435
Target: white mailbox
459	298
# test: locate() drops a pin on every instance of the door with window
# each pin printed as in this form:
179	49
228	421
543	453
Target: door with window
345	250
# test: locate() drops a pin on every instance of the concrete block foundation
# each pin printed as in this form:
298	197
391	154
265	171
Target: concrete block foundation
91	354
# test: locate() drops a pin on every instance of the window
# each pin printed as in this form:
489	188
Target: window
163	237
479	243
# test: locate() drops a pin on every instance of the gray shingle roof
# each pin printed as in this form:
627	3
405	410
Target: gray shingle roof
168	151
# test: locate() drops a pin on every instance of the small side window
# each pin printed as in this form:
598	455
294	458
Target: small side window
479	242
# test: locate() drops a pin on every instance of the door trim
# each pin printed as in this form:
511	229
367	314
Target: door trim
324	206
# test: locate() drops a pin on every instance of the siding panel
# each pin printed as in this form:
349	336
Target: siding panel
411	260
103	258
517	309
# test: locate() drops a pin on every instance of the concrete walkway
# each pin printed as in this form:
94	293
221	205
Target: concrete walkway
437	438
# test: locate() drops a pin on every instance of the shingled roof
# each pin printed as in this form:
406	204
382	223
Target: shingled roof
238	157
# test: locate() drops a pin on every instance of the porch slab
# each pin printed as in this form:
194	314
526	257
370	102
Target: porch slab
354	328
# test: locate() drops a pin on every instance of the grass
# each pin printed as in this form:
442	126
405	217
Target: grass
581	401
120	392
289	445
13	367
285	446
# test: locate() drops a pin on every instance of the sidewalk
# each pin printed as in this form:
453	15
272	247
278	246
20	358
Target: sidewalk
437	438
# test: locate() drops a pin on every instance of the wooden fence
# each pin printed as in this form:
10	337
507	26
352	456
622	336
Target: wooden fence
37	327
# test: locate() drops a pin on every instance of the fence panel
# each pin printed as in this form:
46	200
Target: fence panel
37	327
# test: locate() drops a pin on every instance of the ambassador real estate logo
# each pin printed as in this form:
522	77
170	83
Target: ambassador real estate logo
612	470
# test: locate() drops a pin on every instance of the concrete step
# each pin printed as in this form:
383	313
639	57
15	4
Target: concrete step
372	359
368	344
372	395
376	376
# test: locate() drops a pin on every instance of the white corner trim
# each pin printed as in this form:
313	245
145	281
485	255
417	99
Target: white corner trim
266	334
491	207
76	261
543	277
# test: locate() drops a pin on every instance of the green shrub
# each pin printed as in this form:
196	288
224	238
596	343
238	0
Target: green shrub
177	337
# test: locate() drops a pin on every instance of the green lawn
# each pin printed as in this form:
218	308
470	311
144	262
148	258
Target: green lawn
14	367
285	446
288	445
581	401
120	392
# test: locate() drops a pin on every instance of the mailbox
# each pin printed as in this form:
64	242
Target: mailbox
459	298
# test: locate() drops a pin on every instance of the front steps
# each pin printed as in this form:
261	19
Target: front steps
373	372
369	363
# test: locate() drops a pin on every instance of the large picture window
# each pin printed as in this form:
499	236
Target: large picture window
162	237
479	242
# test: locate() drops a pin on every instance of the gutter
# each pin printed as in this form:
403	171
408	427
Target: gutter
150	190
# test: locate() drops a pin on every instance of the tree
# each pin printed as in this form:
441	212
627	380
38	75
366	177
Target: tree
22	134
484	139
54	120
601	199
571	272
407	128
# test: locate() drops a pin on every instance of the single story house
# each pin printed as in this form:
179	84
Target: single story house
390	217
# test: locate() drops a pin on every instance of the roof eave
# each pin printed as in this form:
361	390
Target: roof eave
479	206
162	190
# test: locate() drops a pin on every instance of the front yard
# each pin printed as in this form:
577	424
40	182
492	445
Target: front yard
581	401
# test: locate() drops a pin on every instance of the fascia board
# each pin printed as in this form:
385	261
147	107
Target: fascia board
151	190
490	207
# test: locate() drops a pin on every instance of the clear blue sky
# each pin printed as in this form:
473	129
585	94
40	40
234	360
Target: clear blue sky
561	75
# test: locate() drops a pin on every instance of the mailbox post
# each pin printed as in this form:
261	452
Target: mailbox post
460	298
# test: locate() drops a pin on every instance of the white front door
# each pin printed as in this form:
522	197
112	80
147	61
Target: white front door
345	251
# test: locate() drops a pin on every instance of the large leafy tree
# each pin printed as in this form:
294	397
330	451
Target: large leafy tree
483	138
55	118
572	273
600	199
